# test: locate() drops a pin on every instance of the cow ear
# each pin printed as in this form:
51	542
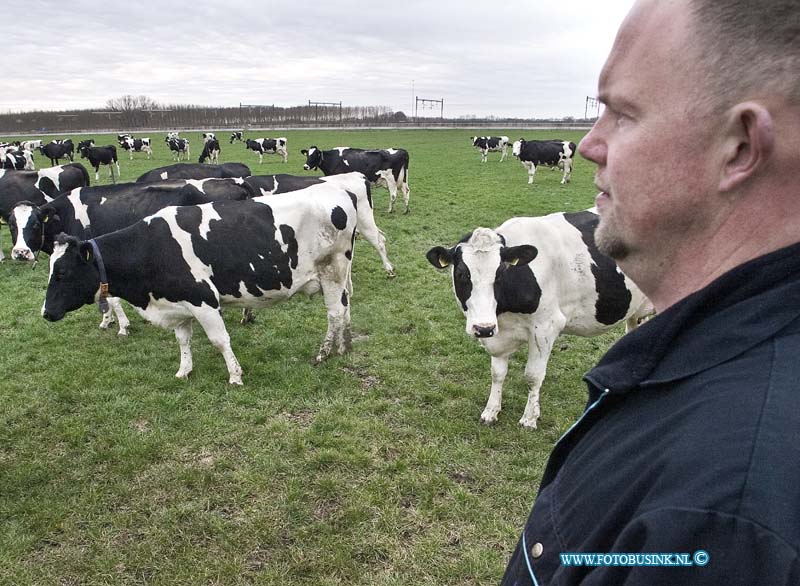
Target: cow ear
440	257
86	251
303	152
518	255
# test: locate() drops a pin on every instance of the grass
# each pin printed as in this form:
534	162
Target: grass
368	469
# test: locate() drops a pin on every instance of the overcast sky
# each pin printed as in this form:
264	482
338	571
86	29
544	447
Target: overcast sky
515	58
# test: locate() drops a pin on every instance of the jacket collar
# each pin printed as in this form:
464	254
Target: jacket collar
739	310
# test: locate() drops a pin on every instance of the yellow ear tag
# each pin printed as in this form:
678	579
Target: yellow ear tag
45	220
443	263
88	255
514	262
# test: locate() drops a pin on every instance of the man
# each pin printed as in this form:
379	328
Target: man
690	443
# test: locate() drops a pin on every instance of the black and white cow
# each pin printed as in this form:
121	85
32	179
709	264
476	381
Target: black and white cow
104	155
210	151
20	160
58	150
386	167
355	183
209	136
530	280
195	171
179	148
29	145
283	245
171	135
93	211
485	144
236	137
38	187
136	145
268	146
551	153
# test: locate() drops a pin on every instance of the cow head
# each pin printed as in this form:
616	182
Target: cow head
84	145
516	148
32	229
478	262
74	278
313	158
473	140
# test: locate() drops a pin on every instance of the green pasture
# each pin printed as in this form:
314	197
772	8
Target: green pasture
371	468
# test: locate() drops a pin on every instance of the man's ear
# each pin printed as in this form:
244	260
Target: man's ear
440	257
86	251
748	144
518	255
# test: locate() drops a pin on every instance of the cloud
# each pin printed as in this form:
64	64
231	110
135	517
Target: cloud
518	58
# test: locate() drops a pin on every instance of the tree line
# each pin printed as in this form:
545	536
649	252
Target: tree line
131	113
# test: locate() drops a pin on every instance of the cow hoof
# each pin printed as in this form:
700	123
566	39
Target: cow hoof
390	274
235	381
123	333
488	418
528	423
182	375
407	211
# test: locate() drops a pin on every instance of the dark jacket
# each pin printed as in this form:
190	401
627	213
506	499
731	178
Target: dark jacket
690	441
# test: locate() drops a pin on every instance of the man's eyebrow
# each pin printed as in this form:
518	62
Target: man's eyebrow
616	102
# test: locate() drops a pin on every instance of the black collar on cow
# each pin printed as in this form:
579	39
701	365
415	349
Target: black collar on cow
102	302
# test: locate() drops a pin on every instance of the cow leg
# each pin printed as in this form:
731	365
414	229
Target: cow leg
214	327
333	279
567	171
260	158
124	322
108	319
370	231
119	173
2	257
539	349
97	173
248	317
391	185
494	404
484	156
531	166
183	333
285	156
503	153
406	193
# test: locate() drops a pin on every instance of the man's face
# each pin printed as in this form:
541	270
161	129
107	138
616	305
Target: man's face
651	144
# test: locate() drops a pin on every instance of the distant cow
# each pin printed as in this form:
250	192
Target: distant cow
486	144
20	160
236	137
38	187
530	280
387	167
195	171
551	153
179	148
29	145
171	135
210	151
58	150
104	155
136	145
284	244
268	146
355	183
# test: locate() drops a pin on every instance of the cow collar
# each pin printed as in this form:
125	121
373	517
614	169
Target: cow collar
102	302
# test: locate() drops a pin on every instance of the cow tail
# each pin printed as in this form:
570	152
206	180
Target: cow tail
113	177
84	172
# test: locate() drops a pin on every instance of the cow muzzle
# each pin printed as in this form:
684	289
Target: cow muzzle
51	316
306	167
484	330
22	254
